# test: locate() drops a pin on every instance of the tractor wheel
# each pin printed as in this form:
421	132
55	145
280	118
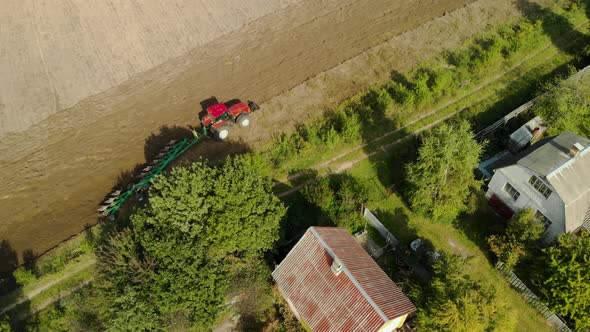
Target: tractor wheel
243	120
222	133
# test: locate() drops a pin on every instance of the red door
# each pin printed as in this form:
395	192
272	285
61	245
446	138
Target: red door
502	209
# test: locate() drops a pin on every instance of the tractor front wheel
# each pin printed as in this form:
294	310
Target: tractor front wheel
243	120
222	133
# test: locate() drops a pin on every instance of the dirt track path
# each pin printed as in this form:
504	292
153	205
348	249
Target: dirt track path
29	295
52	176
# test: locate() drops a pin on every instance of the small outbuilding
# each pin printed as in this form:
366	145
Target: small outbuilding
332	284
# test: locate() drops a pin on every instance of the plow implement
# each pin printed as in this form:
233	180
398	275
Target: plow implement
216	121
116	198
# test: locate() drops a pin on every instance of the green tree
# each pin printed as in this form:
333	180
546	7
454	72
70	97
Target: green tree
566	106
24	276
441	179
340	197
564	274
455	302
183	249
522	232
4	324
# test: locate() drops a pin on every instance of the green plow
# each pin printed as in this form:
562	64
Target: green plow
115	199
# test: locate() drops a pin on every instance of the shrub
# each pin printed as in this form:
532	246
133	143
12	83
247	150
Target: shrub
24	276
421	87
442	82
351	127
522	232
284	147
485	52
4	325
401	94
310	133
340	198
378	99
459	58
516	36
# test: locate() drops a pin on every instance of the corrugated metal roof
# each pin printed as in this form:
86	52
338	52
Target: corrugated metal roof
572	182
552	154
586	223
361	298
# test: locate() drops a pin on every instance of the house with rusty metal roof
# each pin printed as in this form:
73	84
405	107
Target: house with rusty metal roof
332	284
553	178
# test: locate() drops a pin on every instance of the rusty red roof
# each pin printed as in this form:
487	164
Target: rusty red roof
361	298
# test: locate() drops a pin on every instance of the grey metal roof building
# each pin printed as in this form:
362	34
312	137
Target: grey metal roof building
565	162
551	177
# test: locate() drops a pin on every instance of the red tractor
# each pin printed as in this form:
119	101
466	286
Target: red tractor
219	117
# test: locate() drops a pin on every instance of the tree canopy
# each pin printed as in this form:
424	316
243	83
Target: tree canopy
340	198
4	325
456	302
564	274
566	106
522	232
441	178
202	226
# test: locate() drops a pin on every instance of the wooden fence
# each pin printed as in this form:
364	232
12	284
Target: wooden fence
494	126
389	238
532	298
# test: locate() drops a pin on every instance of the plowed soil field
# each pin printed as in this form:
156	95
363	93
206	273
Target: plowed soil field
53	174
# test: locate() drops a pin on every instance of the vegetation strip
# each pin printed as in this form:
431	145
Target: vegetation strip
301	142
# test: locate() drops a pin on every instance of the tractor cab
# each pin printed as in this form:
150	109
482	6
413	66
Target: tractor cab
215	113
220	116
217	110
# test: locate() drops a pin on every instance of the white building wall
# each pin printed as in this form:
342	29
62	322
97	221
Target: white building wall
518	176
393	324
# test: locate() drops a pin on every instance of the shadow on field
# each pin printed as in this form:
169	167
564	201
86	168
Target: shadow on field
156	142
380	130
8	263
480	223
555	25
10	292
212	150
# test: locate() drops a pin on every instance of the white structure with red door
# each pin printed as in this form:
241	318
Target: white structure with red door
553	178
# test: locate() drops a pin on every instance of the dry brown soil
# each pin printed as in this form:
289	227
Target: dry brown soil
53	175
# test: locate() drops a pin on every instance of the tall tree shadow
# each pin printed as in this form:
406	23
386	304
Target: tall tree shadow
12	308
380	130
554	25
157	141
8	263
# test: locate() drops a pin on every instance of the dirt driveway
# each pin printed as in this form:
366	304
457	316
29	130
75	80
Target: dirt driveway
53	176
